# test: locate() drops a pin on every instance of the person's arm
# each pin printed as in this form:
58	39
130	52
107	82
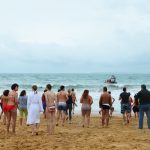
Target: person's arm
66	96
120	97
57	99
81	100
110	101
16	98
100	101
28	102
91	100
40	103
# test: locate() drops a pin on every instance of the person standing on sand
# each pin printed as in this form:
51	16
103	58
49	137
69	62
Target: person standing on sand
86	101
135	107
50	98
111	108
44	103
34	106
105	104
23	106
11	107
74	99
4	100
62	97
69	104
125	105
143	98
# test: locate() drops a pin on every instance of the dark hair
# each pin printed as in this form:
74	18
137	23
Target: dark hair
59	90
14	86
143	86
23	93
62	88
105	89
6	93
45	90
109	92
48	86
34	87
72	89
85	94
124	89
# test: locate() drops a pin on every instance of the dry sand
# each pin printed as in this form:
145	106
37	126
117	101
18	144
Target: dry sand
74	137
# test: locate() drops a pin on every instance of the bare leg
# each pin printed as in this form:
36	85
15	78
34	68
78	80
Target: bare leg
4	119
58	116
14	117
21	120
53	121
8	121
83	118
124	118
37	128
88	117
33	128
107	117
103	117
63	117
48	122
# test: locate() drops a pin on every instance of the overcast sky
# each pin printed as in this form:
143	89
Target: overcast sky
44	36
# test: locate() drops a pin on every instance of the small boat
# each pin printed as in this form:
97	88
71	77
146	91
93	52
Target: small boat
112	80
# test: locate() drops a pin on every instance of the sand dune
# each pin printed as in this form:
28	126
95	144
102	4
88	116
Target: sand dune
74	137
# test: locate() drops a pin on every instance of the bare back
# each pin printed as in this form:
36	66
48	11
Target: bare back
62	96
13	98
50	98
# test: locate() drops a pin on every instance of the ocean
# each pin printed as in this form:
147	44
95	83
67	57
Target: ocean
94	82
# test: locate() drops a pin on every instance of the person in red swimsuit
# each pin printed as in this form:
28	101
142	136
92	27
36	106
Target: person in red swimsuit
11	107
4	100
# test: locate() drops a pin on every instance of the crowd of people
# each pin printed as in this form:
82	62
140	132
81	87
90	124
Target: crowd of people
59	107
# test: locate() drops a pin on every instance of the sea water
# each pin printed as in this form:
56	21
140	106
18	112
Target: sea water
94	82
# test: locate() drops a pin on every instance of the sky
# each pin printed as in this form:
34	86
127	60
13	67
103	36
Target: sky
74	36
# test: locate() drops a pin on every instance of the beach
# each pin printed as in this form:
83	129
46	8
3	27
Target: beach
74	137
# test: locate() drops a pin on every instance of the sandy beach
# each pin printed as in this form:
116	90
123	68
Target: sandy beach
74	137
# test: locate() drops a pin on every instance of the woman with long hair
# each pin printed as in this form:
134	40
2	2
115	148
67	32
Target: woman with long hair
86	101
50	98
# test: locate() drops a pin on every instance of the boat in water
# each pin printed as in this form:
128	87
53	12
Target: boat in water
112	80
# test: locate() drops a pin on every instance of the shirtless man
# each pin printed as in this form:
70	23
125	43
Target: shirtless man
105	104
50	98
62	97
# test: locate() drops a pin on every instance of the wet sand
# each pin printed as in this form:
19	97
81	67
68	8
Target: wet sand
73	137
